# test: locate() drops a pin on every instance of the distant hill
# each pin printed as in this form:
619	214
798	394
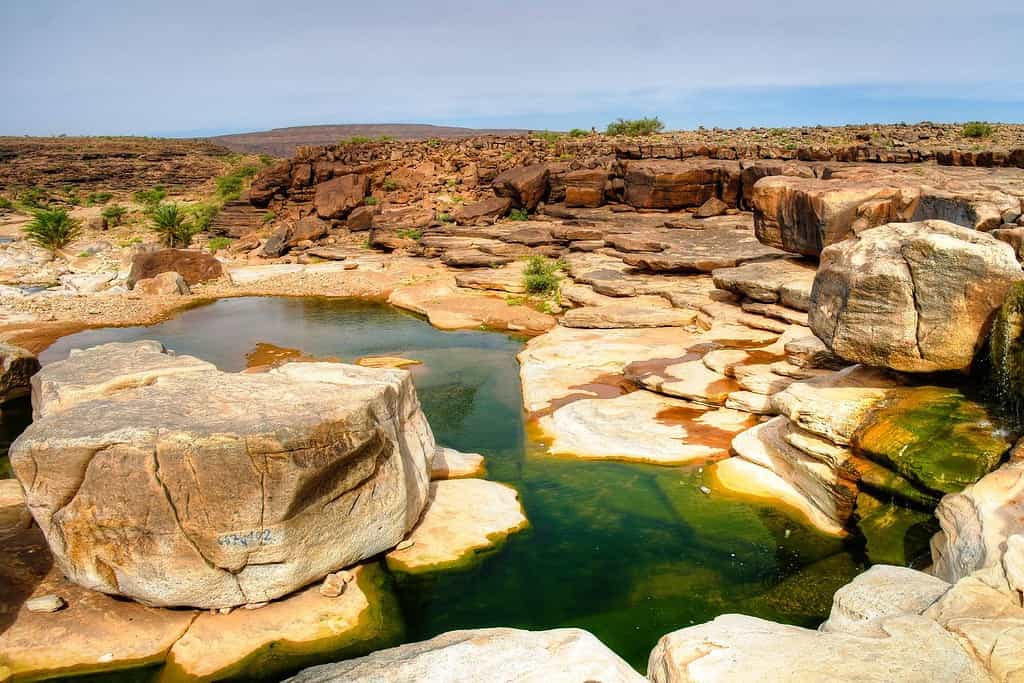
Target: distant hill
282	142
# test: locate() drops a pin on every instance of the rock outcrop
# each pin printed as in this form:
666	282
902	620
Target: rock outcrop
526	186
214	489
485	656
16	369
670	184
806	214
193	266
335	198
915	297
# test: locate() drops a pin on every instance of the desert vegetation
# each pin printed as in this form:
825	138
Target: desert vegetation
52	229
635	127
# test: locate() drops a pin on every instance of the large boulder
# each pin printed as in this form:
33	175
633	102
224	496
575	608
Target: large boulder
674	184
287	236
585	187
735	647
269	182
336	197
484	211
16	369
214	489
565	655
915	297
526	186
193	266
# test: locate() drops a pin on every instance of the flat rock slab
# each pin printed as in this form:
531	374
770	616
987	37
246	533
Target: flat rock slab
254	485
784	280
735	647
251	643
96	633
450	309
100	371
628	315
485	656
568	364
644	427
683	377
882	591
835	406
449	463
463	517
506	279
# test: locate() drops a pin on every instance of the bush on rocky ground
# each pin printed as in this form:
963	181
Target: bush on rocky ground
541	275
635	127
113	214
978	129
52	229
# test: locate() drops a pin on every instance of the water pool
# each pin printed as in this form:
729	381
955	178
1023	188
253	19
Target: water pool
627	551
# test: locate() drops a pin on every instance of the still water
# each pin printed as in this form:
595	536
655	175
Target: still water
627	551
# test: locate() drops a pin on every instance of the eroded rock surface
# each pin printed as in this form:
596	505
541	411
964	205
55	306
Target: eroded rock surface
486	656
253	485
915	297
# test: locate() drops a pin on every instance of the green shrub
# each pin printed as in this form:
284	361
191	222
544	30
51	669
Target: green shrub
370	201
203	214
433	142
71	197
546	135
541	275
578	133
266	159
170	222
355	140
444	217
411	234
390	185
97	198
6	204
34	198
52	229
268	217
518	215
217	243
150	199
231	184
113	214
633	127
978	129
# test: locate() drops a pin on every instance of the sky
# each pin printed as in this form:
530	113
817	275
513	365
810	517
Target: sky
183	68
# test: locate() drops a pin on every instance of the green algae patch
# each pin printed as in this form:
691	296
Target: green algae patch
888	485
895	534
934	436
290	634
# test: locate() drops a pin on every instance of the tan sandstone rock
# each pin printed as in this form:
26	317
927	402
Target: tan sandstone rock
735	647
462	518
253	485
915	297
642	426
485	656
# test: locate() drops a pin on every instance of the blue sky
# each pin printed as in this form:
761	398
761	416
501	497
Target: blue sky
186	67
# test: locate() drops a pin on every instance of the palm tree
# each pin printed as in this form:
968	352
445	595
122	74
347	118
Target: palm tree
52	229
170	222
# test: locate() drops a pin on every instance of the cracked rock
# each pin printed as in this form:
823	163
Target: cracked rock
213	489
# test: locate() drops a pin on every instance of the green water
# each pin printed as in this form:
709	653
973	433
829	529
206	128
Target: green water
629	552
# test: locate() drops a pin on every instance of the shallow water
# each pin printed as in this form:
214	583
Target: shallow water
627	551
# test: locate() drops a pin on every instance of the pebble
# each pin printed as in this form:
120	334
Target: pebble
705	490
335	584
45	603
